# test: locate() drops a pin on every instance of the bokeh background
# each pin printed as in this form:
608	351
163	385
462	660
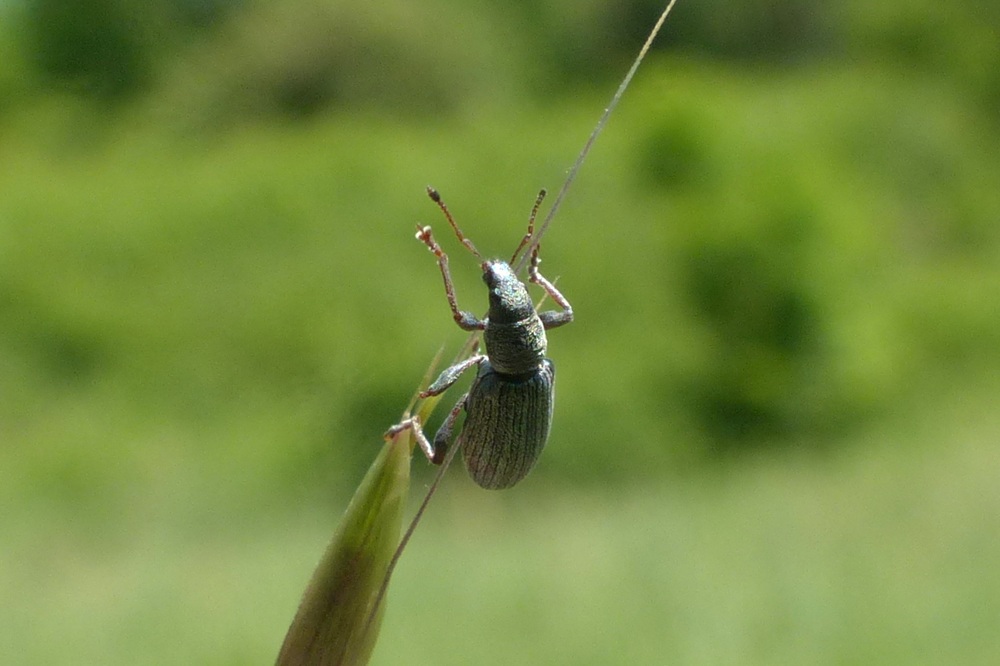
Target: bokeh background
777	420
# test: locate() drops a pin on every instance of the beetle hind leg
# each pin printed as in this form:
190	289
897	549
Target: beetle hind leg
444	432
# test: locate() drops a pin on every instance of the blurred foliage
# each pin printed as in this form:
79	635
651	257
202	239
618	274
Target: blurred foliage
341	610
107	49
227	58
816	228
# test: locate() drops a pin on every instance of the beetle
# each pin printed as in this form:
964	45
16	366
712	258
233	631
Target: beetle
509	405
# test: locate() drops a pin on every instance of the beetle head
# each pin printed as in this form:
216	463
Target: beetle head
509	299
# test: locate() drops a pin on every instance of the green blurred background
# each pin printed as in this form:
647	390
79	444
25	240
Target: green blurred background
776	427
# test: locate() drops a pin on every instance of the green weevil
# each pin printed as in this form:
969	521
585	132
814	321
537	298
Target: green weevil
509	405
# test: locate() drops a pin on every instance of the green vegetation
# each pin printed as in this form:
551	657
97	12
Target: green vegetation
775	427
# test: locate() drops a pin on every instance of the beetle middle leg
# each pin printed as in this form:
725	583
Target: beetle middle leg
450	375
444	381
550	318
435	452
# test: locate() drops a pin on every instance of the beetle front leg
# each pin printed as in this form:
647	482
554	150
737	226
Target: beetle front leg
550	318
465	320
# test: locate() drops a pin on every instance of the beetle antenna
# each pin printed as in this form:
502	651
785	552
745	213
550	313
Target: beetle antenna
436	198
571	176
531	224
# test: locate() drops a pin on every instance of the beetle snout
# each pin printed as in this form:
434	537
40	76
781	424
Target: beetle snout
491	274
496	271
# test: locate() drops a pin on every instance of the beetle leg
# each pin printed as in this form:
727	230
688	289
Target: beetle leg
444	432
435	452
550	318
450	375
465	320
413	424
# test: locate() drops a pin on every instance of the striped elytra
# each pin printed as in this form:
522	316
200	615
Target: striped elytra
506	425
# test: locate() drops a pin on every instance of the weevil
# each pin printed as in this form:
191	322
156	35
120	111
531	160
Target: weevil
508	409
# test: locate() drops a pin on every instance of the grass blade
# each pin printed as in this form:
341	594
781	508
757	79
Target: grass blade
331	626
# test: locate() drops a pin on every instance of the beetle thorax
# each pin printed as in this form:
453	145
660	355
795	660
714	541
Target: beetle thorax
514	335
